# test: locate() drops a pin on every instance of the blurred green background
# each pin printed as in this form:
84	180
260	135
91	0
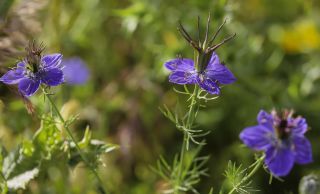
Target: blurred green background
275	57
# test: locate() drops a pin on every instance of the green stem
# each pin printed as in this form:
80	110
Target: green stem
75	142
190	120
258	164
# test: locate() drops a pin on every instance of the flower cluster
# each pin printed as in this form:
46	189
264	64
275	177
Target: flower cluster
34	70
282	139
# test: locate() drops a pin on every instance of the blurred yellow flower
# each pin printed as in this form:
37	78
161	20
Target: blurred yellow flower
303	36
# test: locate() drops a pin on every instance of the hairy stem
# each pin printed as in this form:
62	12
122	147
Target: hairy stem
189	124
84	159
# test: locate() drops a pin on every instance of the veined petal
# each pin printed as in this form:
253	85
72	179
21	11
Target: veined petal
183	77
300	126
28	86
21	65
302	150
14	76
183	64
52	77
213	61
265	119
216	70
257	137
279	160
208	84
51	61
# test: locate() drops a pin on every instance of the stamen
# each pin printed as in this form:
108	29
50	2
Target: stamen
199	38
207	31
211	49
217	32
184	34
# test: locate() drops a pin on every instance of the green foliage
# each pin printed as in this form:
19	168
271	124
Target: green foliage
241	178
47	146
275	58
4	8
193	169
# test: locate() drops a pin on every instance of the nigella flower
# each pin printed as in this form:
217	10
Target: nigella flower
207	71
209	79
282	139
75	71
34	70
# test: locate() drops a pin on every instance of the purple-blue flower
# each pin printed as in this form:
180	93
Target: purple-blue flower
75	71
282	139
183	71
35	70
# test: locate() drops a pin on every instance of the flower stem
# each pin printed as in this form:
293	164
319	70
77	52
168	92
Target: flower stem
256	167
101	188
189	123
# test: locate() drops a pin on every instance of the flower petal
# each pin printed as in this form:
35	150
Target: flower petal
302	149
28	86
208	85
52	77
14	76
180	65
265	119
216	70
257	137
300	126
279	160
183	77
52	60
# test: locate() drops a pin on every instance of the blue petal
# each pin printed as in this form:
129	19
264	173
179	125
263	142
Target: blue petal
14	76
299	124
302	149
180	65
28	86
75	71
183	77
208	84
265	119
52	77
216	70
52	60
257	137
279	160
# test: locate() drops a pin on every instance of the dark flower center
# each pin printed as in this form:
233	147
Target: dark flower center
33	57
283	130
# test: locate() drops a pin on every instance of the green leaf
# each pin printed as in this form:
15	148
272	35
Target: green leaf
48	138
102	146
20	181
92	152
86	138
27	148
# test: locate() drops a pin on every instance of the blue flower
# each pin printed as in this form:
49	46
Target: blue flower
183	71
75	71
35	70
282	139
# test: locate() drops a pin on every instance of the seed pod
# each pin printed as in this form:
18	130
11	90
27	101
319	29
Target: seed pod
309	185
